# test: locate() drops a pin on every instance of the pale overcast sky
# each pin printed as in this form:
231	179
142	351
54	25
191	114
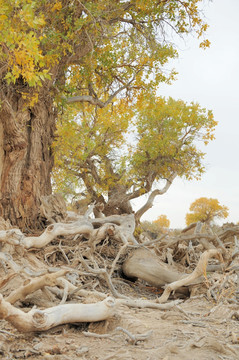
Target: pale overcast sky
210	77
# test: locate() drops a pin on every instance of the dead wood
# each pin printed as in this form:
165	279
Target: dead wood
145	265
124	229
121	227
133	339
41	320
142	304
81	226
11	236
197	273
93	252
33	285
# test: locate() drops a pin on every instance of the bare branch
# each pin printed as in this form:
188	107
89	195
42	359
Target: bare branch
94	100
152	196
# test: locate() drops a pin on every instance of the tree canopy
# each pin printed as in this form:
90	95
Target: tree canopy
162	221
90	51
74	56
120	153
206	210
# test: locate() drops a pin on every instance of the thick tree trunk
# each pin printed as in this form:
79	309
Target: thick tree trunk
26	159
118	202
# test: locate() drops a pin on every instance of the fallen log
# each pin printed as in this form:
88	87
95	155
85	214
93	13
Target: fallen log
145	265
41	320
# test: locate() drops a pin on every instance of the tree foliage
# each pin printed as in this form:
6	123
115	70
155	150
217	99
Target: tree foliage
64	56
206	210
127	150
90	51
162	221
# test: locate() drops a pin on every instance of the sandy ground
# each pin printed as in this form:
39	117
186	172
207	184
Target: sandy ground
195	329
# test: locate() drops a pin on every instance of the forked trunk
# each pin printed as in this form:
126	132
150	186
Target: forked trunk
26	159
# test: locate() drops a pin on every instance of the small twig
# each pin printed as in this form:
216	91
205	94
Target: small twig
236	248
106	276
121	250
194	323
91	207
135	338
147	243
182	311
218	240
99	336
64	254
8	333
65	293
32	273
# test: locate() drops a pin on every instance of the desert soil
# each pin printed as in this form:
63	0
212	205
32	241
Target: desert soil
195	329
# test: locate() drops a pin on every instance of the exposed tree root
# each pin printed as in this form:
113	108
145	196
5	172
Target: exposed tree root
145	265
33	285
197	273
93	254
41	320
82	226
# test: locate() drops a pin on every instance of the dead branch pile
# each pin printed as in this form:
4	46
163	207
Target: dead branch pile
82	270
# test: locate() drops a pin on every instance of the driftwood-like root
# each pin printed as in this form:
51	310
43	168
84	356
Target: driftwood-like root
82	226
41	320
145	265
33	285
197	273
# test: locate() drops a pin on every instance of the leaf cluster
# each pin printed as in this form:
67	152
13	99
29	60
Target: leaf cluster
168	134
162	221
131	146
206	210
80	47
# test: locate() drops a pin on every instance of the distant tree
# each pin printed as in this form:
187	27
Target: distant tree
98	153
162	221
206	210
150	228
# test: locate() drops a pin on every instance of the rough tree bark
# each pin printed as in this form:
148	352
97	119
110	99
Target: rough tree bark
26	160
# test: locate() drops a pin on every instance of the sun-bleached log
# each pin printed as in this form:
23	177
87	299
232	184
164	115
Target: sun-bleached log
145	265
33	285
82	226
200	270
41	320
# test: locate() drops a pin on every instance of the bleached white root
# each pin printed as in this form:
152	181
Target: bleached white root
11	236
119	226
41	320
33	285
124	229
81	226
197	273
